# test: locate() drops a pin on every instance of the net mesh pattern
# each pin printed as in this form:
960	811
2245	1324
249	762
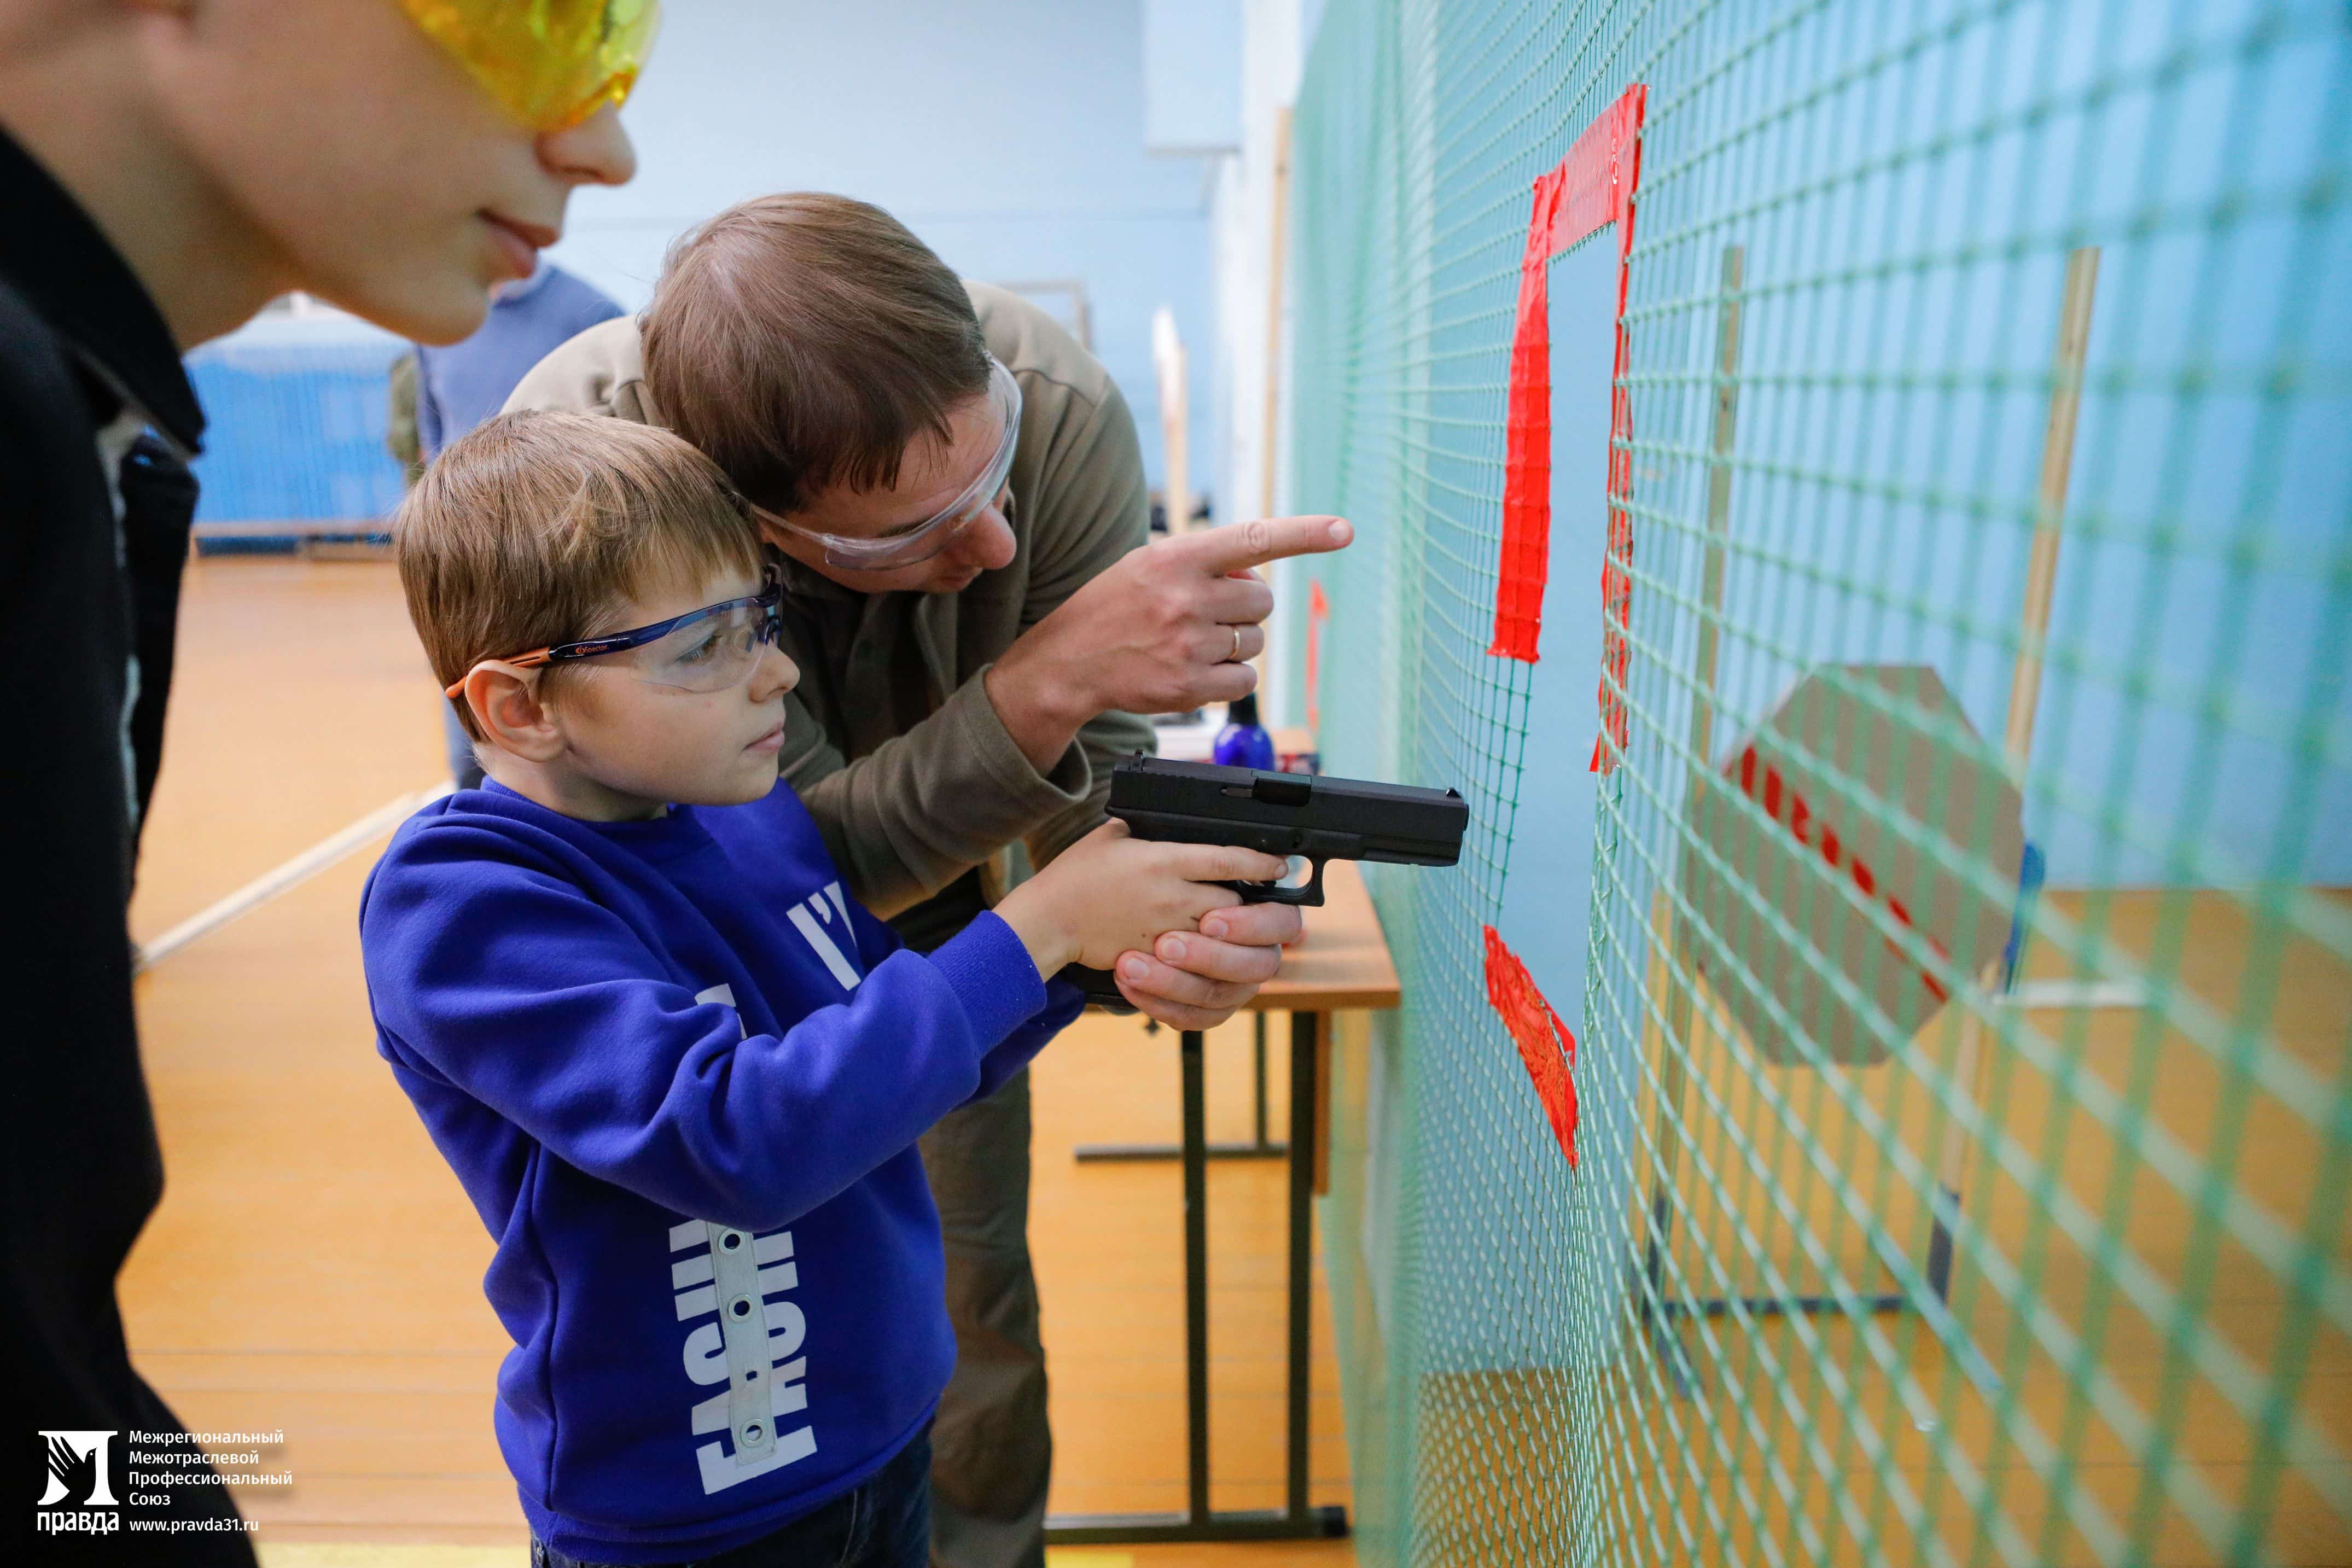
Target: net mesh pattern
1992	1212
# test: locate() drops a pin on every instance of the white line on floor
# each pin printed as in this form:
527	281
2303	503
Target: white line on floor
287	877
2074	995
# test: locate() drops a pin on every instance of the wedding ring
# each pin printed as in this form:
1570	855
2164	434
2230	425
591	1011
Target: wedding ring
1236	656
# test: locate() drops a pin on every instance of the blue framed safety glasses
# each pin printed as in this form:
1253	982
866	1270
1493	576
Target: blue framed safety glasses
704	649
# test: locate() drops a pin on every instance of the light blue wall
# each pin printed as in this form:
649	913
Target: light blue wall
1010	137
1193	75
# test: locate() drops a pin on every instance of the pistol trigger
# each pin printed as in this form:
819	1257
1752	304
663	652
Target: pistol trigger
1310	895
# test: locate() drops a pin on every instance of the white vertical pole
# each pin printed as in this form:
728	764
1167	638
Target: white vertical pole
1175	420
1970	1059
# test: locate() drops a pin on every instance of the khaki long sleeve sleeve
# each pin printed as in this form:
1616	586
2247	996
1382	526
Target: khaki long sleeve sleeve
927	806
1094	509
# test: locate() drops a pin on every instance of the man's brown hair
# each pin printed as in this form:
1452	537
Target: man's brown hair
534	527
803	340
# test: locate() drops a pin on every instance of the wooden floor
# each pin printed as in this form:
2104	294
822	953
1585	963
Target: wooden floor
1813	1440
315	1268
2072	1186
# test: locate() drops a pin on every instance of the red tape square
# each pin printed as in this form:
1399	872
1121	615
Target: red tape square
1593	186
1546	1046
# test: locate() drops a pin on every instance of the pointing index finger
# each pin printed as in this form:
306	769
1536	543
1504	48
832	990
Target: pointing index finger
1238	546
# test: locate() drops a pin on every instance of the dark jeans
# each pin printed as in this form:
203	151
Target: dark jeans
886	1523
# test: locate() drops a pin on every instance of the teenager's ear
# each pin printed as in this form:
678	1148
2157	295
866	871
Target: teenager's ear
506	704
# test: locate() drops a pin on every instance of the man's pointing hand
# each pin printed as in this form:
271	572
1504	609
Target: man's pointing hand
1169	627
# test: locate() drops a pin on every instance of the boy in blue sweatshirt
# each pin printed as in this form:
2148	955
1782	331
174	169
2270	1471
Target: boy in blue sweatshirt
678	1072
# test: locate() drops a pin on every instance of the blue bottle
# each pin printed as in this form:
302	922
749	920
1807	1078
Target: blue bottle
1243	742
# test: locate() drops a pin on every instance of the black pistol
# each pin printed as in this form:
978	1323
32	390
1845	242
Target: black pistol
1307	816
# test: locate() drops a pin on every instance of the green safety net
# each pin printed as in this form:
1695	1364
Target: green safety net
1954	947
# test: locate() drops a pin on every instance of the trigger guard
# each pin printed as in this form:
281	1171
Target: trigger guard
1309	896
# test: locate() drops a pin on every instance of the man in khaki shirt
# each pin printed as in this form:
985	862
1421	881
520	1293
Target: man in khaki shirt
958	492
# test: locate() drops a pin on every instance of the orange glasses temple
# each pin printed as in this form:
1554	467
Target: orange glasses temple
530	661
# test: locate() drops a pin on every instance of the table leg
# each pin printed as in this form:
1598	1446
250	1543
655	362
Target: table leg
1257	1148
1196	1283
1296	1521
1304	1091
1257	1069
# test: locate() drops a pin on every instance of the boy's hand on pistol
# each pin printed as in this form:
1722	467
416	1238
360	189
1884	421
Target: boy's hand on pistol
1111	893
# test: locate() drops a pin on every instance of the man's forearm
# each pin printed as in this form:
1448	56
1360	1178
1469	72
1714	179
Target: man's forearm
1107	739
912	816
1037	701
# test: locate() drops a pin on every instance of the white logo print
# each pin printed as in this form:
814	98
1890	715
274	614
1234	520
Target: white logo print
751	1344
77	1464
804	916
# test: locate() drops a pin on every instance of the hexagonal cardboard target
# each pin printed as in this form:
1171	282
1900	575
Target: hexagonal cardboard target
1852	856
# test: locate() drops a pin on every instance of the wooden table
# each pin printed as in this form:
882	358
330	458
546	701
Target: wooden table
1341	965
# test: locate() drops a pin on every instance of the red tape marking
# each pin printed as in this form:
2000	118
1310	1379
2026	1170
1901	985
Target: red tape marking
1592	186
1545	1044
1318	611
1798	818
1526	441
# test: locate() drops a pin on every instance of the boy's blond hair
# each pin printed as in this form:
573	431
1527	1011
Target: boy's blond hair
531	529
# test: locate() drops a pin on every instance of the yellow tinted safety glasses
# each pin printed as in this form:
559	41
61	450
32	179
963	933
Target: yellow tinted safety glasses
549	63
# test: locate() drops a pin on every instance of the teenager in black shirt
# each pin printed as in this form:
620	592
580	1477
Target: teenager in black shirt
166	168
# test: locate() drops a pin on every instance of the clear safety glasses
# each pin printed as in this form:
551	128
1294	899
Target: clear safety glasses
549	63
706	650
918	542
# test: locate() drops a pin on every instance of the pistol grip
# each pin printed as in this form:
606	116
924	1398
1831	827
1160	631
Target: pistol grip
1102	991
